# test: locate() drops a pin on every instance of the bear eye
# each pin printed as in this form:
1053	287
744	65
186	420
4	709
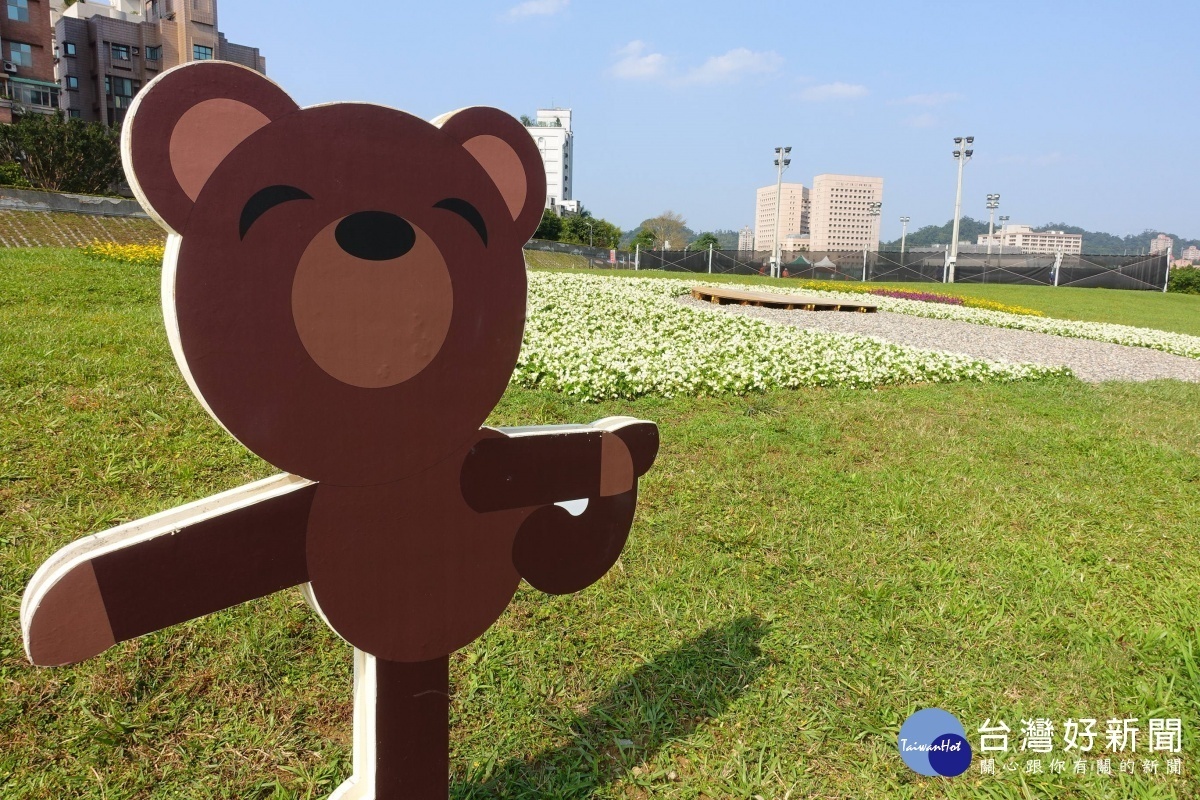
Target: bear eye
266	199
467	212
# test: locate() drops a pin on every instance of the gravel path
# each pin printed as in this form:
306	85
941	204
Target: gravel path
1089	360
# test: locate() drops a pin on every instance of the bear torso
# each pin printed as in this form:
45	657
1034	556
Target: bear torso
406	570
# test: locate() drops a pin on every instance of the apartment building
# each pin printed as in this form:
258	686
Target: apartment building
793	214
841	217
551	129
27	82
1024	239
1162	244
1190	255
746	239
108	51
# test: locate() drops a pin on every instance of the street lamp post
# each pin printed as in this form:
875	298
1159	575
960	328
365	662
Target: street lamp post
873	211
781	163
962	155
993	202
903	236
1003	220
591	242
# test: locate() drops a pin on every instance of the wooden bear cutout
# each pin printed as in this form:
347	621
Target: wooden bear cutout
344	290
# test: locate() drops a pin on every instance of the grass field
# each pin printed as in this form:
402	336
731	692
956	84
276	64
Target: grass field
1179	313
544	259
807	568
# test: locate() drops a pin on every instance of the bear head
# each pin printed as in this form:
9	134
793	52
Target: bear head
344	284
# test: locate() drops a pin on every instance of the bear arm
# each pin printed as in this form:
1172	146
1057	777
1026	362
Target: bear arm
542	465
168	568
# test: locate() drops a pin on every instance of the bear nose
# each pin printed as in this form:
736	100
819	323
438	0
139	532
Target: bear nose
375	235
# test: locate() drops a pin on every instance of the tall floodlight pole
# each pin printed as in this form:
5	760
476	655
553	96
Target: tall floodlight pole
962	155
1003	224
781	163
993	202
903	236
591	243
873	211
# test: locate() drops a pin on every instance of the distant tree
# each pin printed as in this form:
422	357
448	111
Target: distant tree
63	155
726	239
704	241
526	121
643	238
589	230
550	227
668	228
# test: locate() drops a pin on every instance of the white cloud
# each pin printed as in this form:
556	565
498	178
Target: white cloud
733	65
634	63
531	8
833	91
935	99
921	121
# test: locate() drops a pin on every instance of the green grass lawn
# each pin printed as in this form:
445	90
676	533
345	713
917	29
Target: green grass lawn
807	568
1179	313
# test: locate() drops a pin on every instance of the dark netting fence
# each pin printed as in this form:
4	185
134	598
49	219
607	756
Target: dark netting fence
1111	272
598	257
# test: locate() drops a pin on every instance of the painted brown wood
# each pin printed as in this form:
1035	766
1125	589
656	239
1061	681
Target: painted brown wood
354	330
721	295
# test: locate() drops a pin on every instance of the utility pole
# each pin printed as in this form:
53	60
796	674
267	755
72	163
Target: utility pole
781	163
993	202
962	156
903	236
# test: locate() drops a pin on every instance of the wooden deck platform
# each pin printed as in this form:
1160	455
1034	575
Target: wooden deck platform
769	300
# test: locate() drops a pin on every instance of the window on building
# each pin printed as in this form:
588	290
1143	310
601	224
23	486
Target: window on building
121	90
74	113
154	53
72	82
201	53
20	54
18	10
68	48
120	52
28	95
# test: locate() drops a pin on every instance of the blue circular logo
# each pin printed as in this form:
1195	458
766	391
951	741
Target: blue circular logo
933	742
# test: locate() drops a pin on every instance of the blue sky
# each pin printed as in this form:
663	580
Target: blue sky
1083	112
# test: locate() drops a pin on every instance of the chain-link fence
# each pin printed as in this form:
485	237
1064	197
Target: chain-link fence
598	257
1112	272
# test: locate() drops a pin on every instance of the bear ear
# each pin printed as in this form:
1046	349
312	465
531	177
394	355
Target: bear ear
509	156
183	125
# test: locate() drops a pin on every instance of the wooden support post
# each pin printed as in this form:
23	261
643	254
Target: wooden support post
412	730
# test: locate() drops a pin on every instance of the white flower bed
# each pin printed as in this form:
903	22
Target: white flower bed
599	338
1179	344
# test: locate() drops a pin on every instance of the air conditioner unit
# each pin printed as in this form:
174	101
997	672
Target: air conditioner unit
10	66
137	51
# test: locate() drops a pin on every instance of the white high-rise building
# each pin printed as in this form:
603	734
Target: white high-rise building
840	216
793	214
746	239
1024	239
552	132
